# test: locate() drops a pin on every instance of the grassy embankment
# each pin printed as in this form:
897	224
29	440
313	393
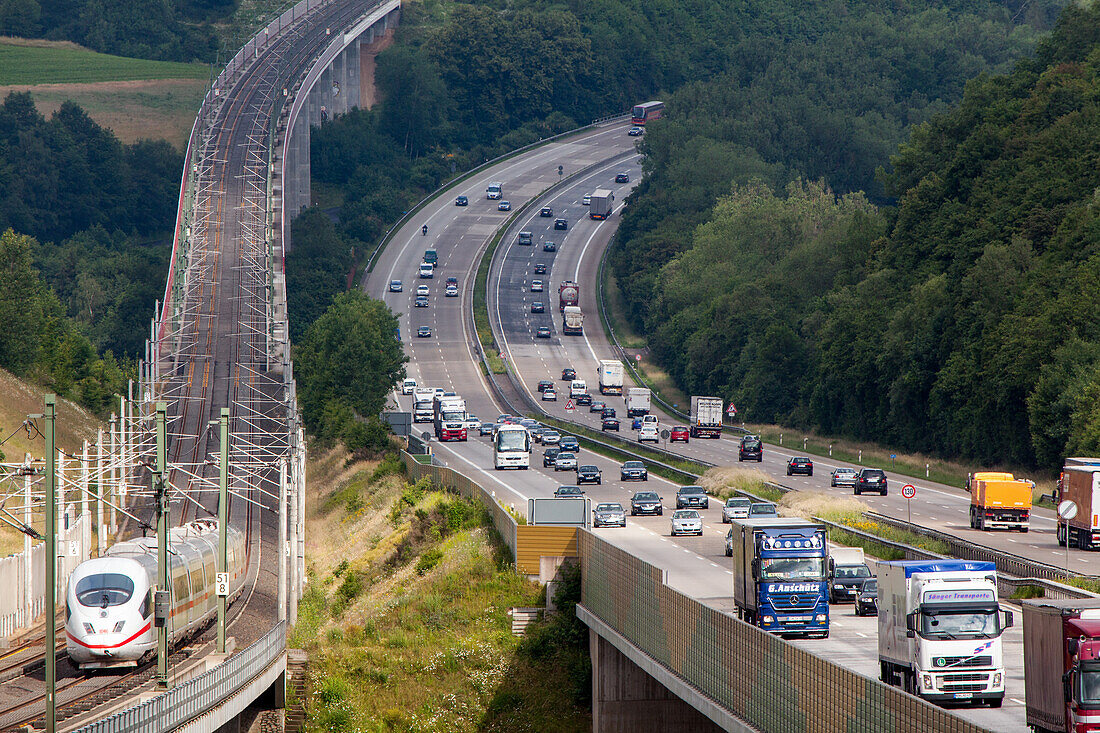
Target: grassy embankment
405	617
136	98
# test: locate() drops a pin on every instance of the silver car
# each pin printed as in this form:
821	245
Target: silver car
736	507
565	462
551	437
686	521
843	477
608	515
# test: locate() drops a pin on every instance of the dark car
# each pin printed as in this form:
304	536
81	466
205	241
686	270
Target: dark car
546	212
596	406
549	456
561	224
568	491
452	280
800	464
485	429
760	509
549	247
867	601
646	502
845	581
692	497
421	301
679	432
538	307
633	471
568	374
524	238
610	423
583	399
870	479
545	384
540	269
461	201
635	131
622	178
543	332
607	412
752	449
569	443
424	332
589	474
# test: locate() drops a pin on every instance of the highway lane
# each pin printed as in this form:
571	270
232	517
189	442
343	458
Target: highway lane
936	505
695	565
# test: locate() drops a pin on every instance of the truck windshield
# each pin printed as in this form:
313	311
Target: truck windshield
956	624
454	415
792	568
1088	686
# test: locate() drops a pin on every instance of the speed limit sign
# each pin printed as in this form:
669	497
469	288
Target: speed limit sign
909	491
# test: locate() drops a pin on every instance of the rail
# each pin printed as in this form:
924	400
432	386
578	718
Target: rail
197	696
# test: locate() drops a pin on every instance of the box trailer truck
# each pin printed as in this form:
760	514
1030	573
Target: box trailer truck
1062	664
706	417
610	372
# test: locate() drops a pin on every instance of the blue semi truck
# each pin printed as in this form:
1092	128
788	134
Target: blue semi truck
779	581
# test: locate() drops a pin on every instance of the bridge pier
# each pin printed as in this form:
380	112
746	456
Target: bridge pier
626	699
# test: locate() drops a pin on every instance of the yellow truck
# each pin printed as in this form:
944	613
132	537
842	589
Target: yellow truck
999	500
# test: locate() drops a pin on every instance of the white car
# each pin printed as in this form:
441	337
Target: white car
686	521
451	292
395	286
472	422
549	395
536	286
423	290
736	507
587	200
408	386
649	420
648	432
426	270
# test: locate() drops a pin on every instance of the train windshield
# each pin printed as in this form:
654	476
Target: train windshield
104	589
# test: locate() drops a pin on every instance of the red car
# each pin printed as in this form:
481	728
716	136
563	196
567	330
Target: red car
678	433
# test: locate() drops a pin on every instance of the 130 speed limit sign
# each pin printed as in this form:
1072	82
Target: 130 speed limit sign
909	491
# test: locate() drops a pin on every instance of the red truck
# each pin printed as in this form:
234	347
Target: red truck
1062	664
569	293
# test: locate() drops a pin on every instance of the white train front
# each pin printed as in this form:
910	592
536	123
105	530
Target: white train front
109	606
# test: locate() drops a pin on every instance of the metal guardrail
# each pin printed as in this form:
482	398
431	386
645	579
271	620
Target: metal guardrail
199	695
472	172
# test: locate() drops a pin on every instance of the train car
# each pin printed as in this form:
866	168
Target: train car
109	604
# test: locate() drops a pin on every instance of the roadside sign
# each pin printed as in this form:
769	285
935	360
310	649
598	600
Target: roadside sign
222	584
909	491
731	410
569	405
1067	509
665	433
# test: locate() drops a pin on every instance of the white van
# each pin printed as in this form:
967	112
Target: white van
577	387
495	190
408	386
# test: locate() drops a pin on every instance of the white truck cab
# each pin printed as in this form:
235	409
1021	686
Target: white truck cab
577	387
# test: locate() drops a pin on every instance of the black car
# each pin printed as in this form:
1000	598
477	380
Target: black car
752	449
524	238
561	224
622	178
646	502
870	479
633	471
424	332
610	423
538	307
545	384
867	600
542	332
569	443
589	475
568	491
549	247
546	212
692	497
607	412
540	269
549	456
800	464
583	399
568	374
845	581
461	201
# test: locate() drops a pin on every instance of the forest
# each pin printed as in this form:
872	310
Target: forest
947	306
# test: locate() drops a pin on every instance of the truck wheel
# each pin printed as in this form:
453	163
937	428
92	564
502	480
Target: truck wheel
996	702
740	458
1024	529
856	491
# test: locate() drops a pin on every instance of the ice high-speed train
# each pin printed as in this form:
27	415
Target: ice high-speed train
109	606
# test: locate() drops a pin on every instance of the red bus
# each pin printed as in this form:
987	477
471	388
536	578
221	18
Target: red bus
642	113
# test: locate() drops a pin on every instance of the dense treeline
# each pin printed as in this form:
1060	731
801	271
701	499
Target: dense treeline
771	89
85	250
963	321
169	30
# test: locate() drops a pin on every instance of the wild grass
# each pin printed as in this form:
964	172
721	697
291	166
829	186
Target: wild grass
405	618
66	63
726	481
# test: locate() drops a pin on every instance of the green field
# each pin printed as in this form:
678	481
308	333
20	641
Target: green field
64	63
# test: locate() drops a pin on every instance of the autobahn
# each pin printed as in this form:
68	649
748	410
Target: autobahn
695	565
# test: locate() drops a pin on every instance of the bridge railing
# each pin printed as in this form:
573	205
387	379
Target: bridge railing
199	695
758	677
